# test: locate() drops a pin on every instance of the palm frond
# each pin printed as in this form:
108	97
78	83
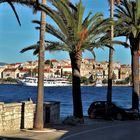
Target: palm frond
56	17
53	31
130	22
32	47
14	10
57	46
73	32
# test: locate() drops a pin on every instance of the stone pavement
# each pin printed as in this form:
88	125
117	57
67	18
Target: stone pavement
59	131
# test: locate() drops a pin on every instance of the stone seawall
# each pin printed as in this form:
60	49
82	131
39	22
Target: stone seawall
13	116
27	113
16	116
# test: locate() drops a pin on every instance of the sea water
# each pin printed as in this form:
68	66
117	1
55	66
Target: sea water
15	93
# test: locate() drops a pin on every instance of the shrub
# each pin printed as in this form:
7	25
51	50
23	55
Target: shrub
122	82
9	79
84	80
104	81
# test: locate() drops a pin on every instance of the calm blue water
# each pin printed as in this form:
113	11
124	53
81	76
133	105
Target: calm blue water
14	93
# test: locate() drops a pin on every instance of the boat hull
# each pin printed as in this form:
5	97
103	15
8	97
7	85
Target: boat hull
54	82
46	85
98	85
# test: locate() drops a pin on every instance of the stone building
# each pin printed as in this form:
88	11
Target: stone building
125	71
59	68
87	67
10	73
1	71
24	72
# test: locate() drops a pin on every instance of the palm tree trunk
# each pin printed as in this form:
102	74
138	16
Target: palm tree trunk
110	67
138	7
76	90
135	79
39	108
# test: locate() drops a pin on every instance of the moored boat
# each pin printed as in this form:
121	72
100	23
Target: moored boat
98	84
48	82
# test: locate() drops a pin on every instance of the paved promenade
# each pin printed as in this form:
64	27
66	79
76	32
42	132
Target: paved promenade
91	130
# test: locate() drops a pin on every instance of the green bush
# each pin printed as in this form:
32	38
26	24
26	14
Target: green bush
122	82
104	81
9	79
84	80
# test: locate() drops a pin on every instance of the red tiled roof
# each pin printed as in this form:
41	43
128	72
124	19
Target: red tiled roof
14	64
18	63
24	70
67	66
9	70
11	64
54	60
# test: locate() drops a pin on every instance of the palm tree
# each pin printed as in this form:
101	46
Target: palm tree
129	26
138	5
39	109
31	3
75	35
13	8
110	67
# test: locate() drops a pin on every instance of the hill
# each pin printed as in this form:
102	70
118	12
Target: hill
2	63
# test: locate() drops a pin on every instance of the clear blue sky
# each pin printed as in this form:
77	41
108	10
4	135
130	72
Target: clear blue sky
13	37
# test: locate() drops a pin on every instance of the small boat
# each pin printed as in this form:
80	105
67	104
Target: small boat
50	82
98	83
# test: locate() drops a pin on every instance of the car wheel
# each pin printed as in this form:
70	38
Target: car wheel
92	114
119	116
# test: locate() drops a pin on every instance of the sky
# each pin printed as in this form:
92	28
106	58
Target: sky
13	37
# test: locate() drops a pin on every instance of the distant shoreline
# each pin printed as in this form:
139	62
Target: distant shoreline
10	83
104	85
2	81
114	85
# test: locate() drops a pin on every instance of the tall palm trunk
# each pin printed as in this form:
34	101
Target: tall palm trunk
135	43
110	67
39	108
135	79
138	7
76	60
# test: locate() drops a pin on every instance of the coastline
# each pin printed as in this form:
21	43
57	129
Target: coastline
104	85
7	82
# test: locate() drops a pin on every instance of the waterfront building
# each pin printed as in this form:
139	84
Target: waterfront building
24	72
10	73
1	71
62	68
125	71
87	67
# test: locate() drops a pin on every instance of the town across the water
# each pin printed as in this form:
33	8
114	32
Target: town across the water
90	69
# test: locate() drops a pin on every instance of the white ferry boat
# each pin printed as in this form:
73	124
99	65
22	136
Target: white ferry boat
32	81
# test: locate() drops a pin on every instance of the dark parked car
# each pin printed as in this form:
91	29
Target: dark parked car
98	110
